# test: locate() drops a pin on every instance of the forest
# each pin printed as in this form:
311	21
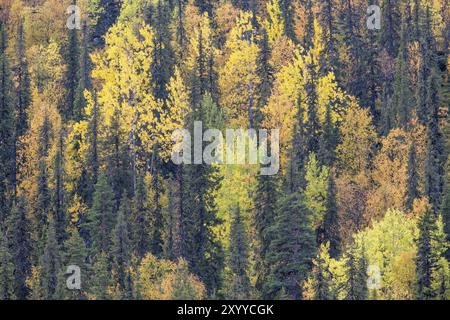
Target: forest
92	207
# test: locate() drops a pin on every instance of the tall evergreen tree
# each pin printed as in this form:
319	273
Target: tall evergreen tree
357	274
432	246
84	80
121	248
19	244
42	206
331	233
51	263
402	86
6	270
101	216
266	197
7	130
23	83
240	286
292	249
72	76
140	226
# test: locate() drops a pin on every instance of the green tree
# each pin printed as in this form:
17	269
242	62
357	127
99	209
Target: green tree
51	263
121	249
23	82
240	283
19	243
6	270
101	216
432	246
7	131
292	248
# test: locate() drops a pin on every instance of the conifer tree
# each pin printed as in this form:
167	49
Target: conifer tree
19	244
84	81
331	232
6	270
101	216
328	141
292	249
121	248
266	197
43	198
240	287
431	245
402	86
58	193
265	73
75	254
163	53
51	263
72	76
357	274
445	212
100	279
7	132
23	83
140	226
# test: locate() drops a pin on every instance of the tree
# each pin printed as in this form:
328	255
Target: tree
315	192
19	244
100	279
72	76
7	131
240	286
121	248
6	270
23	83
51	263
357	274
412	182
101	216
431	245
331	232
266	197
358	139
140	225
292	249
402	88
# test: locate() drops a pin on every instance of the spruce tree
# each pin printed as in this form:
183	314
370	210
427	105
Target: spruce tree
72	75
331	232
51	263
121	248
292	248
357	274
19	244
75	255
7	130
265	73
445	212
84	81
101	216
140	226
58	193
402	86
266	197
100	279
42	206
432	246
23	83
240	286
6	270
